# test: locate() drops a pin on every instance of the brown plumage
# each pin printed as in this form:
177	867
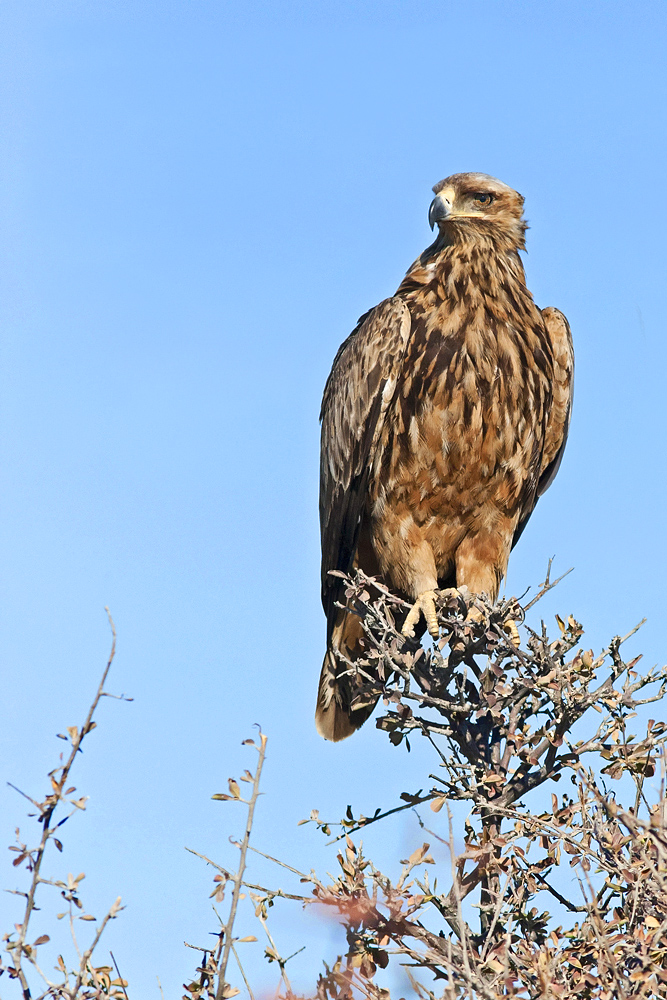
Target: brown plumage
444	419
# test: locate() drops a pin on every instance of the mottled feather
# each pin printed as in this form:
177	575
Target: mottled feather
356	396
443	420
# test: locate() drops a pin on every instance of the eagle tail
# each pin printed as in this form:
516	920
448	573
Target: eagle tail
335	718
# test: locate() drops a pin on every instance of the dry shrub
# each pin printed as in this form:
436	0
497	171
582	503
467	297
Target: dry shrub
502	719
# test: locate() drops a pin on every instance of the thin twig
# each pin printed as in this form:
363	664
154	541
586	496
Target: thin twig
417	801
38	805
277	862
238	878
85	958
122	981
245	980
47	810
209	862
276	954
547	585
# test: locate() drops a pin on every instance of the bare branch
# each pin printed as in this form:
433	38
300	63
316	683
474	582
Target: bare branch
238	877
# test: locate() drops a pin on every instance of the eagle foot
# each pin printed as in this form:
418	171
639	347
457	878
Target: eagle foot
510	627
475	615
425	603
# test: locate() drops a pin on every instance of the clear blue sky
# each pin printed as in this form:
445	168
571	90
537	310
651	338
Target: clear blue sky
198	200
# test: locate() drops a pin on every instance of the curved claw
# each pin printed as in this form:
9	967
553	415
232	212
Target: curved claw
475	615
425	603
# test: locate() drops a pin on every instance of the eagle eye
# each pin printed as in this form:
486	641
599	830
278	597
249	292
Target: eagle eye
483	198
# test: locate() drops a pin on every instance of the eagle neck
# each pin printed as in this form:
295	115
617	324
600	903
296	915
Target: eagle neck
472	268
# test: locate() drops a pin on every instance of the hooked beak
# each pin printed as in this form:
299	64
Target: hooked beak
441	209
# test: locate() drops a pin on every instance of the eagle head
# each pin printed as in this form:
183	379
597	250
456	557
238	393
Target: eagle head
470	198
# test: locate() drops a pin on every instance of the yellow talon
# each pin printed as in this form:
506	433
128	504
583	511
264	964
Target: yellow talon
425	603
510	627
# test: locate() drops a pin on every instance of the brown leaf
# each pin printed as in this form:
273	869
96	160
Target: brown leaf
381	958
367	966
417	855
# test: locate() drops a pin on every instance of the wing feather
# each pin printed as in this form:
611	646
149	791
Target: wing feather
358	391
558	425
558	418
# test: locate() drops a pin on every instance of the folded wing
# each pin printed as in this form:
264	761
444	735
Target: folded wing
558	419
359	389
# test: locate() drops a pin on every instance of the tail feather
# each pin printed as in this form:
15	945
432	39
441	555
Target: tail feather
335	718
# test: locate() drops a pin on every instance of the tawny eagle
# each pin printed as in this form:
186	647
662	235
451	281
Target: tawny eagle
444	419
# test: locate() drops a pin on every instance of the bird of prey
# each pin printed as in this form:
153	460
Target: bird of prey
444	419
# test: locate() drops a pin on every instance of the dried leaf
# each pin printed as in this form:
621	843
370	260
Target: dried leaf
417	855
